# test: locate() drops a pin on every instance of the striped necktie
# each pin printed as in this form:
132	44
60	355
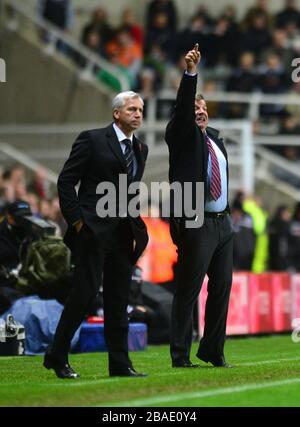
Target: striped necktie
128	154
215	181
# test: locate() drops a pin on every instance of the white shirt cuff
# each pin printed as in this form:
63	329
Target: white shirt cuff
190	74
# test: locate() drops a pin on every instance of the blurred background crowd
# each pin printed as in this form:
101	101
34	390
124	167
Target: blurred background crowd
247	54
243	55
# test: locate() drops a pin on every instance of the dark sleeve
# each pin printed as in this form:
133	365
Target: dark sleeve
183	116
72	172
145	152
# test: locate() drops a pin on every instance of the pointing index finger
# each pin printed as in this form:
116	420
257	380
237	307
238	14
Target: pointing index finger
196	47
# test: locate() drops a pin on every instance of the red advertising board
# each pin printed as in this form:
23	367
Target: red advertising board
295	296
238	312
260	303
281	301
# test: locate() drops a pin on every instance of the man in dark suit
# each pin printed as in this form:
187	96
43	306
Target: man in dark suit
198	155
104	248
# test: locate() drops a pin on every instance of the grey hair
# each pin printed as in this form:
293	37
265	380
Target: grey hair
120	100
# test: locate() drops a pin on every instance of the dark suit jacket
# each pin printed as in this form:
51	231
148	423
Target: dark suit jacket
96	156
188	152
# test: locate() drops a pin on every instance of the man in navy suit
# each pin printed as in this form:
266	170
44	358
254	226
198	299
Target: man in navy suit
197	154
105	248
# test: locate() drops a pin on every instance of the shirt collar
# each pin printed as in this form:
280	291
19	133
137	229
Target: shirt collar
120	134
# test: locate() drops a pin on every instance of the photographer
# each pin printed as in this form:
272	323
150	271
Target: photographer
13	235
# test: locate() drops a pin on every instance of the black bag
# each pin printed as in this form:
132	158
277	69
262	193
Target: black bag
46	269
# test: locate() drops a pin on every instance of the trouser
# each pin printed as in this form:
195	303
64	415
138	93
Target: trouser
205	250
107	261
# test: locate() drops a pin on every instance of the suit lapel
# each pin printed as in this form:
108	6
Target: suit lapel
137	147
214	135
115	146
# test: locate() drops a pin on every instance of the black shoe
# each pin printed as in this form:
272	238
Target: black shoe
62	371
217	362
182	363
127	372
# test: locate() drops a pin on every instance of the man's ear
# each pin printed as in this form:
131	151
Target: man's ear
116	114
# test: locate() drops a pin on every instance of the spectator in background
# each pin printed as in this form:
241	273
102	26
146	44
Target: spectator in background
260	8
93	42
146	84
244	237
99	24
281	48
295	237
14	183
156	7
195	32
253	207
128	21
33	200
272	80
160	35
243	78
56	216
126	53
257	36
279	240
289	125
7	189
293	35
59	13
155	59
290	13
160	255
39	184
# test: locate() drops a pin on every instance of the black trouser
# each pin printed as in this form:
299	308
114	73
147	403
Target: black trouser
205	250
109	256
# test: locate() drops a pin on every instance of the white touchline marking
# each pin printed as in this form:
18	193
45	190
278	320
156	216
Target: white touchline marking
201	394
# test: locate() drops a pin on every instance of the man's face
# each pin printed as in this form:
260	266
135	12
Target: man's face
201	114
130	116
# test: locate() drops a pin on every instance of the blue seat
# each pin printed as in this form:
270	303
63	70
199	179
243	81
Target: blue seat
92	337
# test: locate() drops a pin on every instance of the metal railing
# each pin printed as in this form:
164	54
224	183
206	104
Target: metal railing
13	10
247	152
22	158
254	99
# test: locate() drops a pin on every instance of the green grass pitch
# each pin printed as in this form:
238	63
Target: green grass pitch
266	373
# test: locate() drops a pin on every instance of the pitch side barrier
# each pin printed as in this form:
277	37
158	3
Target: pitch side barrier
260	303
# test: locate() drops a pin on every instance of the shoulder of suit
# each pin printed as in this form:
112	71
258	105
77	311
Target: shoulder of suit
213	132
93	133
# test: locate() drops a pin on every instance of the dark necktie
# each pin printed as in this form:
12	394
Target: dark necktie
215	182
128	154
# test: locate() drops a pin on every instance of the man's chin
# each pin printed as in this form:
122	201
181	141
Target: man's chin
201	125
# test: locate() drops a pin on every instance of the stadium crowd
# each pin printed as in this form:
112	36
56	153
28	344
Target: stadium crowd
253	53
